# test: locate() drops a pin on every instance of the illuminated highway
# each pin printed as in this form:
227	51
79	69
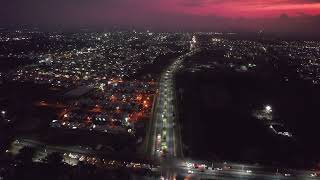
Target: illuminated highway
165	137
187	169
205	170
165	140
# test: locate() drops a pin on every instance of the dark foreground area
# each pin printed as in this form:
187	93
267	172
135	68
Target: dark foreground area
216	114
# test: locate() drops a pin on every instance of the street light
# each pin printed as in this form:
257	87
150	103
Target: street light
268	109
3	114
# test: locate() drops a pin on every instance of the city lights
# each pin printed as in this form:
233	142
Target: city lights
157	97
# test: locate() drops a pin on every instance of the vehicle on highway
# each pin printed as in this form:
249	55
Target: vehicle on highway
287	174
189	165
159	137
314	175
190	172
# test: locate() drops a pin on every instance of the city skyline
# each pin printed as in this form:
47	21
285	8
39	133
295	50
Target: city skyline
298	16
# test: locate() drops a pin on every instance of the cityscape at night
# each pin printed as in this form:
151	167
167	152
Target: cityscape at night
167	90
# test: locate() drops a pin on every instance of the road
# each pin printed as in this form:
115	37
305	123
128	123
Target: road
43	150
164	141
225	170
174	168
164	138
165	129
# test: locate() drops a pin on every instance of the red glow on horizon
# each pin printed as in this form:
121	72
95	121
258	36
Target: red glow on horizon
241	8
169	15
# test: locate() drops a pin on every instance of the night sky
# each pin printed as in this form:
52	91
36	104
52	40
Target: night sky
271	15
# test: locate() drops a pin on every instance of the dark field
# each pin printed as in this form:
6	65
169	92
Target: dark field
215	113
8	64
26	118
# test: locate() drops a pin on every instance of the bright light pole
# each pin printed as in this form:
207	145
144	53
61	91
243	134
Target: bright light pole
268	109
3	113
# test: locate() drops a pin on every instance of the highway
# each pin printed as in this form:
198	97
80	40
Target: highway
164	138
164	141
226	170
174	168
